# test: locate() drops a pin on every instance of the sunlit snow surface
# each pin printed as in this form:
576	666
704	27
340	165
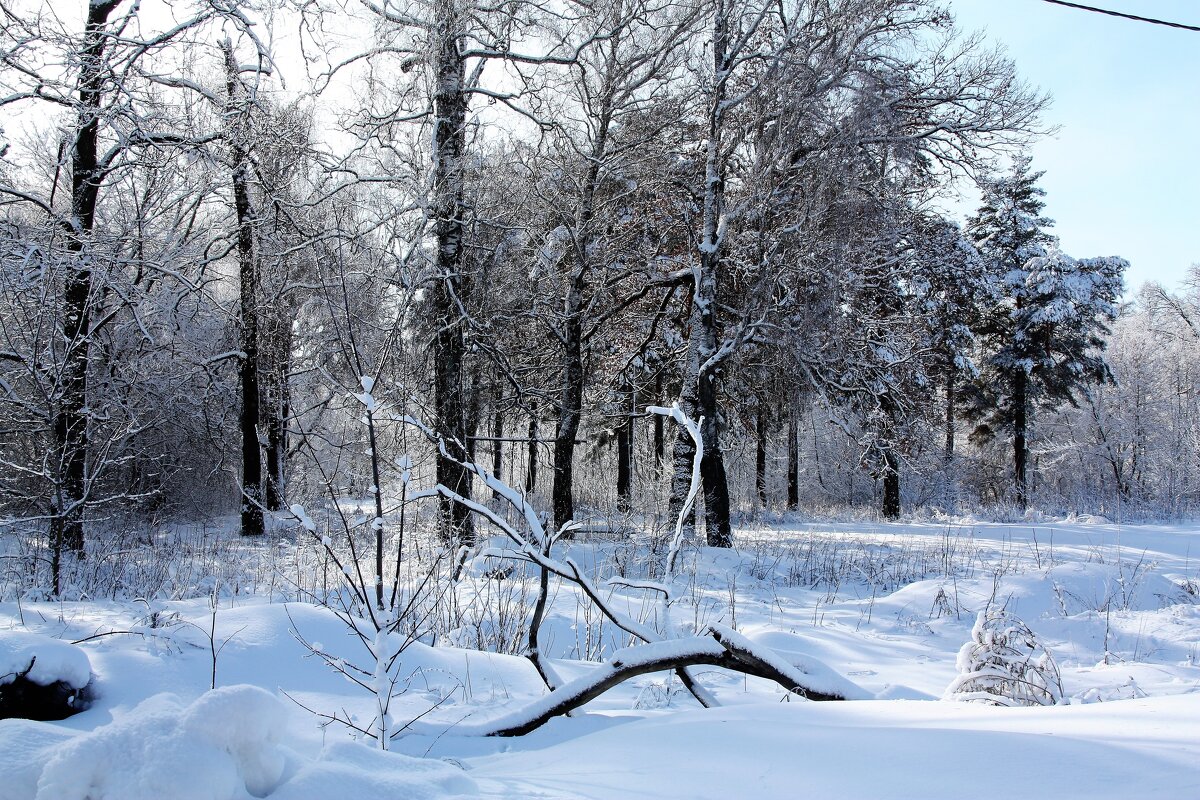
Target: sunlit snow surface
886	606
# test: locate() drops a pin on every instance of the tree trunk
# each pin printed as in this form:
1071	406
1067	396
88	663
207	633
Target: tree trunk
1020	429
566	428
717	525
949	479
698	399
474	415
891	461
625	433
951	426
248	364
531	453
570	406
698	395
891	485
70	424
793	475
278	407
660	438
276	430
449	351
497	444
760	454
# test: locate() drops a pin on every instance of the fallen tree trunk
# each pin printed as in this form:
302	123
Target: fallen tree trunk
720	647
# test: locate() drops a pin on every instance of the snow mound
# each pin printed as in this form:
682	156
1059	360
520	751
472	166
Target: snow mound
1087	519
1075	588
348	769
26	745
47	660
221	747
888	750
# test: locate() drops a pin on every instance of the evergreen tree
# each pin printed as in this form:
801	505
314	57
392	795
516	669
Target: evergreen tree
1046	333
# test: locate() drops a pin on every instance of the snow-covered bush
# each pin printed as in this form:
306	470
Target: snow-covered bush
1005	664
41	678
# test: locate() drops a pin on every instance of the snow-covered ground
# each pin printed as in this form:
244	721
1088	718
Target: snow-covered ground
886	606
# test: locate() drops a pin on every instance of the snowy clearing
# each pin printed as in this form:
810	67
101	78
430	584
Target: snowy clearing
886	607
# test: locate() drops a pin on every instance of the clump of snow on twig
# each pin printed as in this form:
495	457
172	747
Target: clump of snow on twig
302	517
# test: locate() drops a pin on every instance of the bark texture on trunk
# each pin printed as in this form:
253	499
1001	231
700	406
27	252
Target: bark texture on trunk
449	347
248	364
1020	431
69	429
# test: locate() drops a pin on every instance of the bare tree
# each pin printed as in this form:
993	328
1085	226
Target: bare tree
110	97
604	149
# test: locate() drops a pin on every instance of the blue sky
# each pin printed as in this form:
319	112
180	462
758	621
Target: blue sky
1123	172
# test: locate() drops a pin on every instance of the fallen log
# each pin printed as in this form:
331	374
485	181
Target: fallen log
719	647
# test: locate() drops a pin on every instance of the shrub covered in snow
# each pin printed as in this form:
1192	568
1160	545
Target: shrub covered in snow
1005	664
41	678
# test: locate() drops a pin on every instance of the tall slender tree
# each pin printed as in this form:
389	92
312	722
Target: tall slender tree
238	107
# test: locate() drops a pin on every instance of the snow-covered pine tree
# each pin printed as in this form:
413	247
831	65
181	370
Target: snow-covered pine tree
1045	335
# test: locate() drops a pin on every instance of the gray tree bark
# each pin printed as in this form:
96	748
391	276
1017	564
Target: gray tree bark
449	347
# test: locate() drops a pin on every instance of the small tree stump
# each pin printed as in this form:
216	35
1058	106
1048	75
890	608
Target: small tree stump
42	678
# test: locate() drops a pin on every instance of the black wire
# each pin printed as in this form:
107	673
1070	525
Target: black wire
1151	20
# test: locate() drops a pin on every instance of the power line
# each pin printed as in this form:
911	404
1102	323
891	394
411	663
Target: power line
1122	15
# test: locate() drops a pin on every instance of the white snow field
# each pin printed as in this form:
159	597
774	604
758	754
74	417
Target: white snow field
886	607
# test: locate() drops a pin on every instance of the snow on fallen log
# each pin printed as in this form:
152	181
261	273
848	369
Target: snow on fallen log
42	660
721	647
813	678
